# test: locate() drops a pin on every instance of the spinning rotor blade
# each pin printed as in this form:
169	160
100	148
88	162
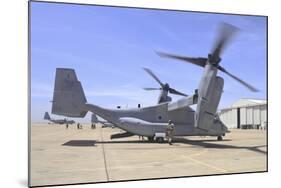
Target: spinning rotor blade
173	91
225	34
153	76
200	61
151	88
253	89
163	86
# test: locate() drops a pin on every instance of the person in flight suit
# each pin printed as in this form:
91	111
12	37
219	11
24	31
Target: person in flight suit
170	131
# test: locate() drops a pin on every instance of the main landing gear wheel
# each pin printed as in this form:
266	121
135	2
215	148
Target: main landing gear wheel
160	140
219	138
150	139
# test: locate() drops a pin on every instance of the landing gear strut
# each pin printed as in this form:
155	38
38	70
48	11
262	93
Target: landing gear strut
150	139
219	138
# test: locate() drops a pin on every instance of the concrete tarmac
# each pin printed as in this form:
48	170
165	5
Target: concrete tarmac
67	156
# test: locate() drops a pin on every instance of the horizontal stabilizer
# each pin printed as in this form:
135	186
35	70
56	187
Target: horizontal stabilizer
183	103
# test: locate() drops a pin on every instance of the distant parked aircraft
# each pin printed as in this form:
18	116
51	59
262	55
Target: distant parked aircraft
57	121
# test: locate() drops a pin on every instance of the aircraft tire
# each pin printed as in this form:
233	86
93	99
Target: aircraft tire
150	138
219	138
160	140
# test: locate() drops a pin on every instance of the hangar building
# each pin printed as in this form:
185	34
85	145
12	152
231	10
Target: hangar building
245	114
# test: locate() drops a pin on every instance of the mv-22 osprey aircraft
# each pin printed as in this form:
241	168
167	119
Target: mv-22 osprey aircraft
69	100
163	97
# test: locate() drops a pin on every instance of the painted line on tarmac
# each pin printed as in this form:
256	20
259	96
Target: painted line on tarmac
205	164
104	156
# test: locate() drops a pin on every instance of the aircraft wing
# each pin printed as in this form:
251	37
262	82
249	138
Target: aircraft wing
107	123
183	103
136	121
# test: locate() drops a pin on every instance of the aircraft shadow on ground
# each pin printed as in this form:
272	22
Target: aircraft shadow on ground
80	143
90	143
218	145
201	143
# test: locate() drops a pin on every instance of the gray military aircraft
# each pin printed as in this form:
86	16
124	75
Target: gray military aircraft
164	89
69	100
57	121
163	97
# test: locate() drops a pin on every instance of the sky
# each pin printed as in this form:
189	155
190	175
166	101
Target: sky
109	46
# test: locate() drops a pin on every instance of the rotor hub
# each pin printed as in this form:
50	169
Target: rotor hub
214	60
166	87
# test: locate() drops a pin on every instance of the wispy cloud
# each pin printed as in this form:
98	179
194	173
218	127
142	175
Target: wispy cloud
130	93
41	90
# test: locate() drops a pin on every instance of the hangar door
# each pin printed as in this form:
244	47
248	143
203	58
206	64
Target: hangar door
249	116
263	115
257	115
238	119
243	116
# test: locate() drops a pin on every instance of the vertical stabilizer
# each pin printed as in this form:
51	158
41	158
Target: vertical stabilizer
47	116
68	99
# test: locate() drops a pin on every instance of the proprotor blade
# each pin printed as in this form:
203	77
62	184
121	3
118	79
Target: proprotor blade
225	34
200	61
154	76
151	88
173	91
253	89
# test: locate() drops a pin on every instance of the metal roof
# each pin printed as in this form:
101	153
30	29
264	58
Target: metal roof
246	102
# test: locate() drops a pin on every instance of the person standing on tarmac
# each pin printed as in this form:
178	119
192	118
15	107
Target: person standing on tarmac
170	131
